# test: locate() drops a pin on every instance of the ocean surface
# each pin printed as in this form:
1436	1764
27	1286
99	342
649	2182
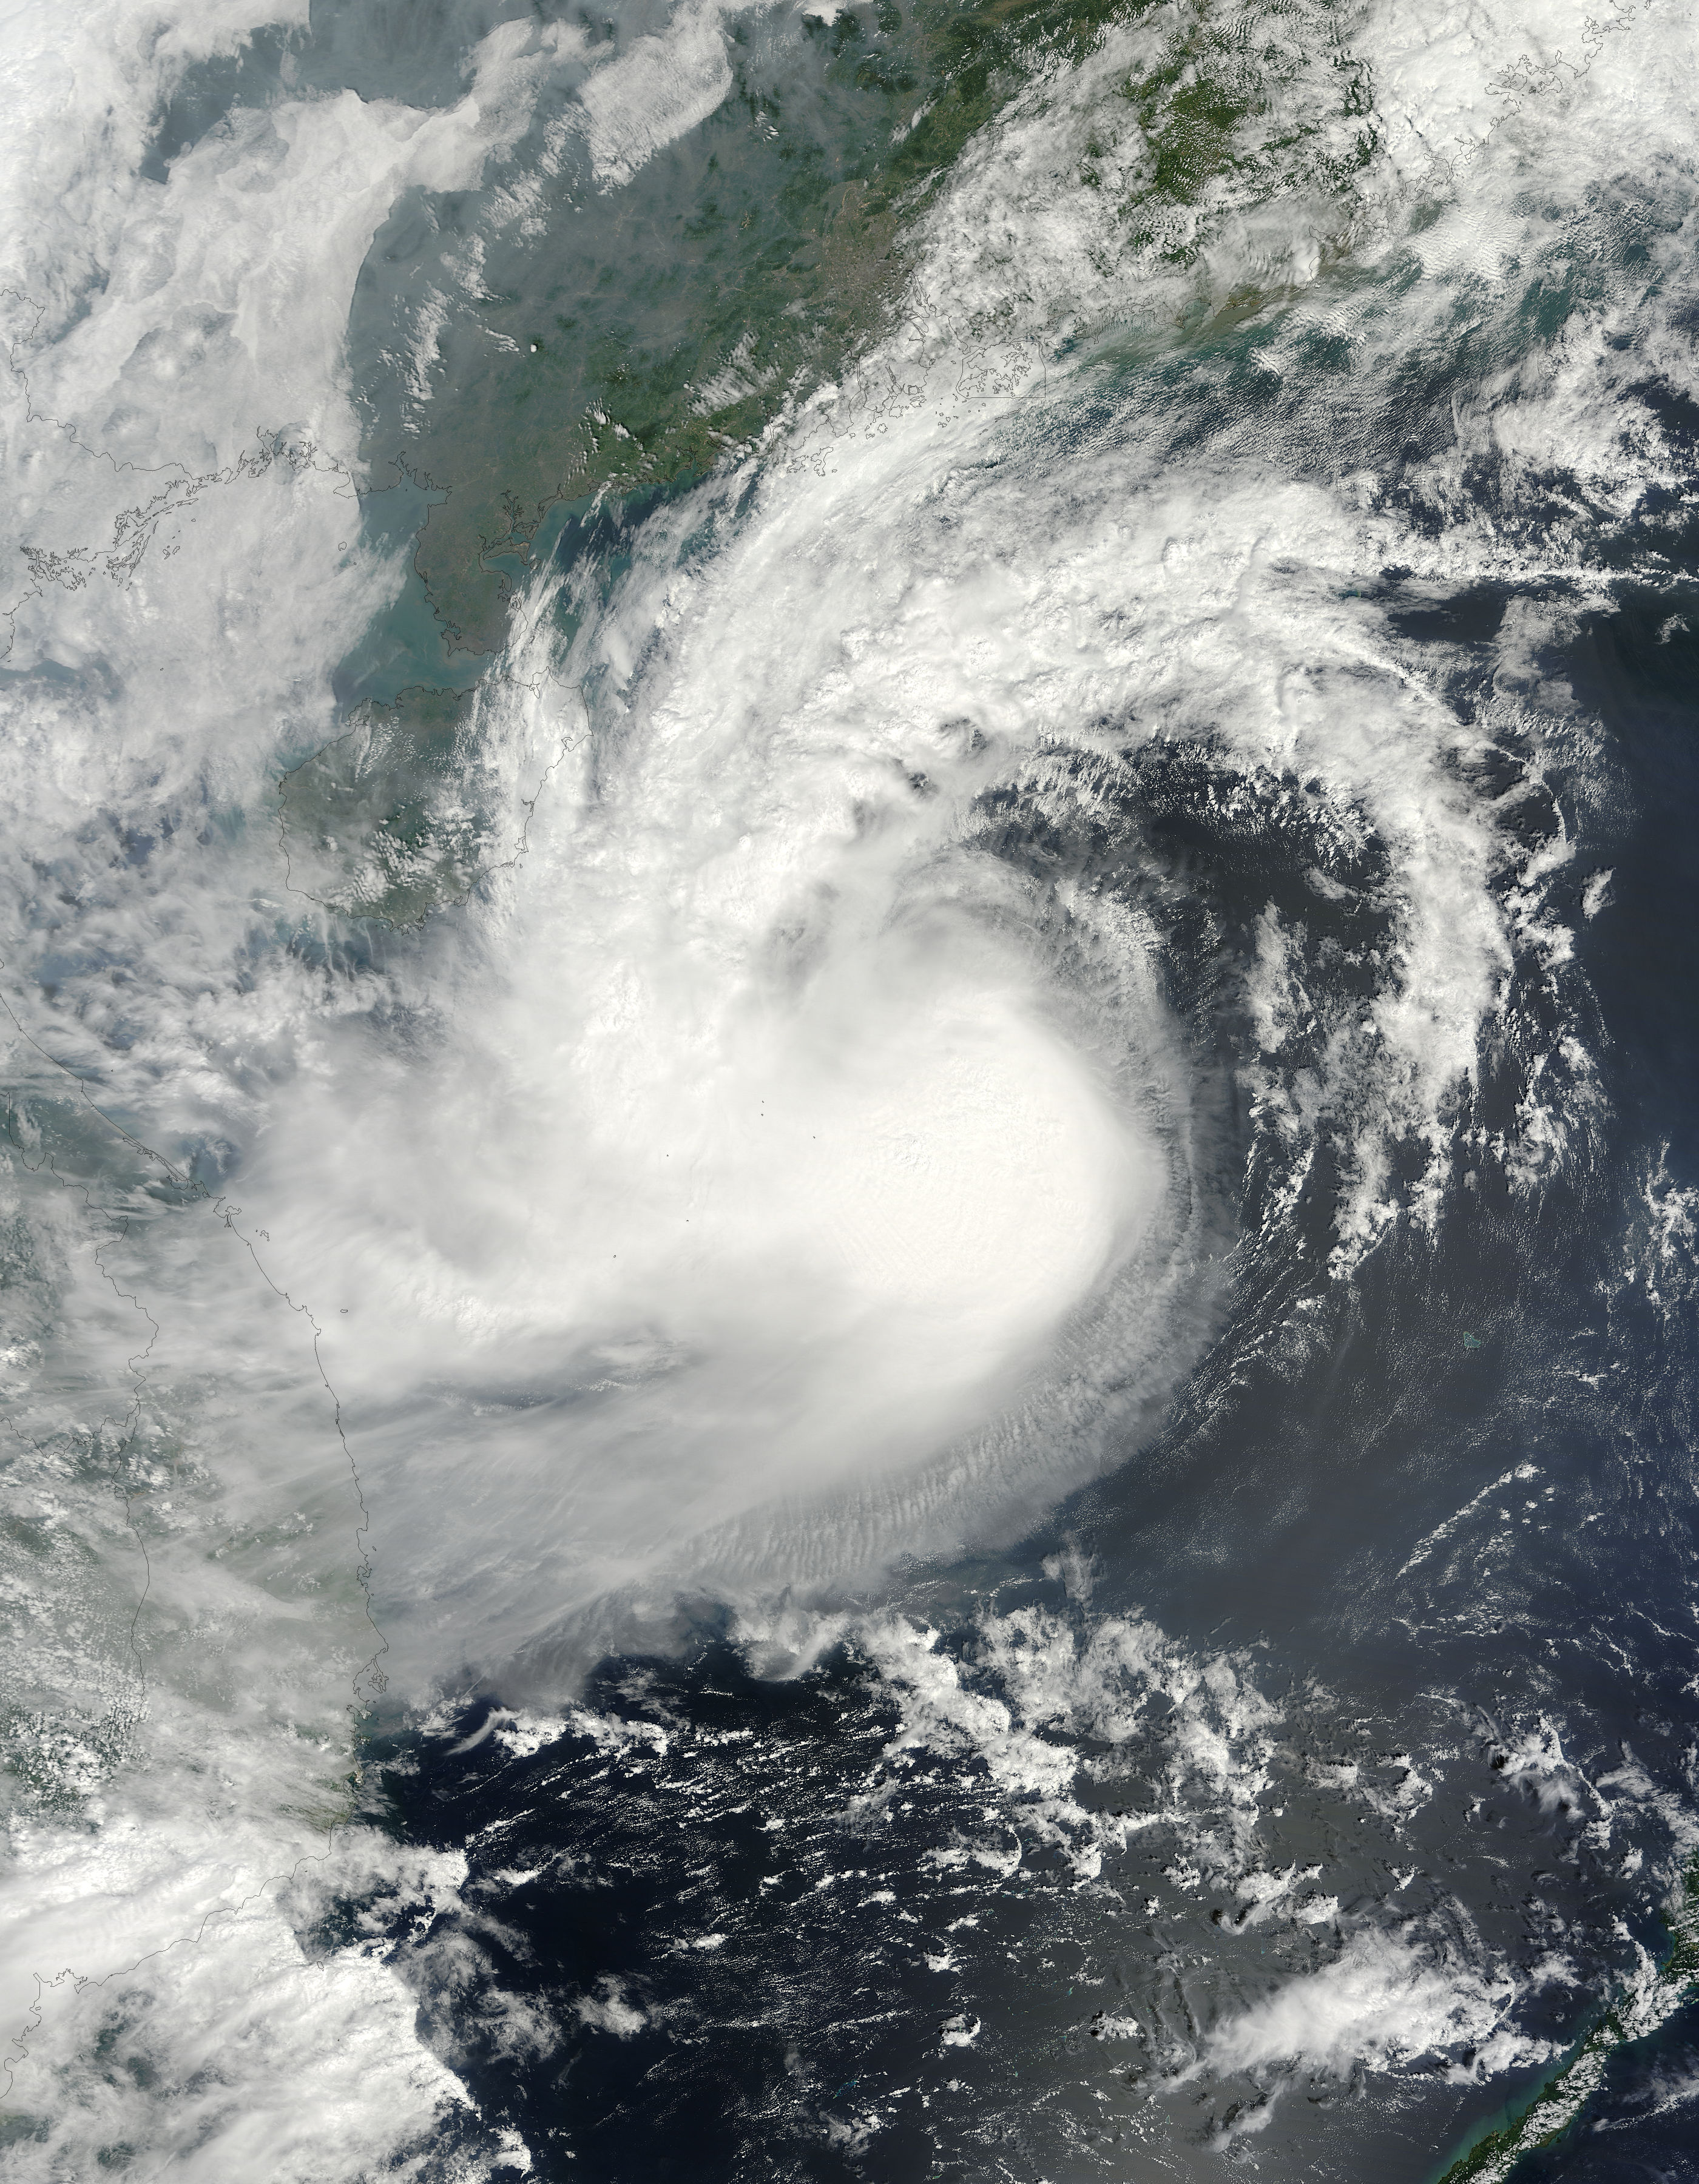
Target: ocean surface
850	954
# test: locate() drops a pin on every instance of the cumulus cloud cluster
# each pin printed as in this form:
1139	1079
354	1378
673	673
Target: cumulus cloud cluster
781	1164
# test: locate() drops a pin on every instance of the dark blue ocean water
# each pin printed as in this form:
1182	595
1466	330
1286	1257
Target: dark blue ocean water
1295	1794
760	1867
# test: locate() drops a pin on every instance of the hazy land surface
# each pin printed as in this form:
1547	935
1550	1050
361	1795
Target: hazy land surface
610	344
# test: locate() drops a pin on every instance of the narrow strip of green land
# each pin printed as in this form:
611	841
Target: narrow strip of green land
1650	1996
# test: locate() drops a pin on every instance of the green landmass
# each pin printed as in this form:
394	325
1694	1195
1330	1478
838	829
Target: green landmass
385	821
1653	1994
618	344
642	336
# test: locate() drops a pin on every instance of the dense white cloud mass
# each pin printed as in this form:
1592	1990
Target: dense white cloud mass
762	1175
